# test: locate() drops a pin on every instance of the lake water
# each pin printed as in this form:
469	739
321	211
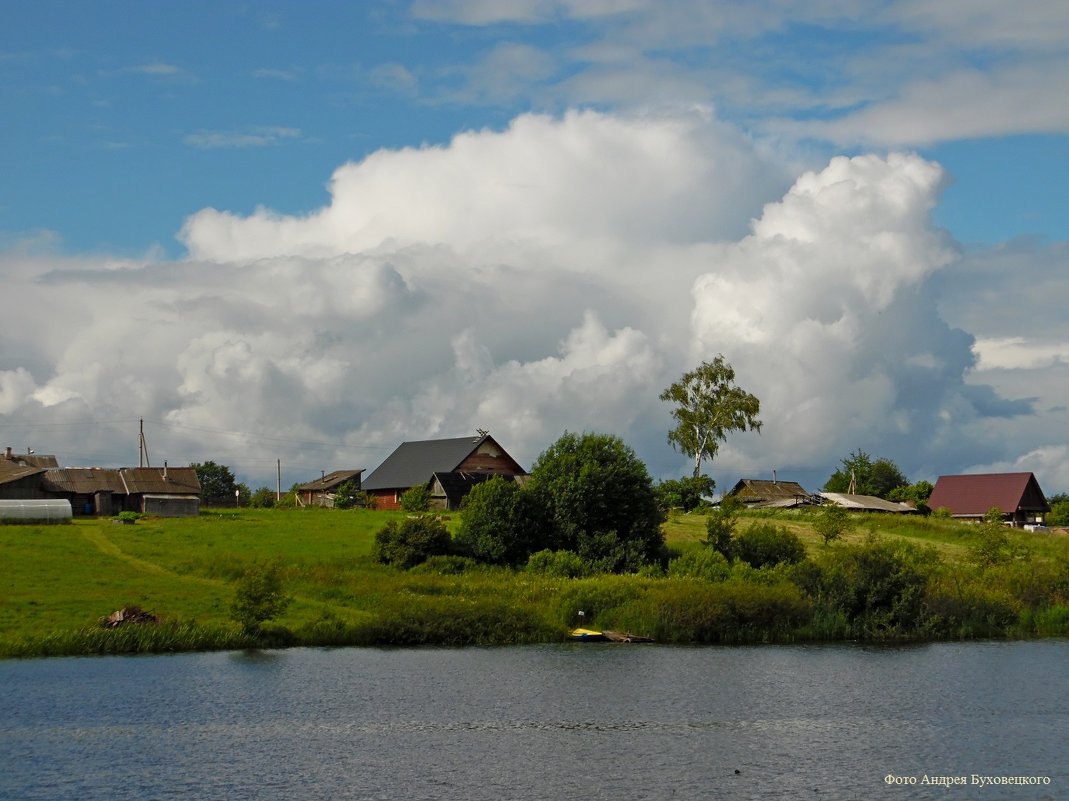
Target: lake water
539	722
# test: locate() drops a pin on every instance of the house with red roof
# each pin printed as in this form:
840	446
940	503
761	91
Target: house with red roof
969	497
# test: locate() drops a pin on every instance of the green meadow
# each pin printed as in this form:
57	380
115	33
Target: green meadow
887	579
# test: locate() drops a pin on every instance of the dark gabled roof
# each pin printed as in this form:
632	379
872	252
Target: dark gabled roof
160	480
458	484
329	481
29	459
11	471
754	490
974	494
413	463
124	480
84	480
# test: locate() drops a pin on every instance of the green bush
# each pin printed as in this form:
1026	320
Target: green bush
409	542
346	495
730	612
879	587
501	523
263	498
832	522
1059	514
416	500
703	563
259	598
720	526
765	544
558	564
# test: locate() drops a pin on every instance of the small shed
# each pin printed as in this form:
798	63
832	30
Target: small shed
323	491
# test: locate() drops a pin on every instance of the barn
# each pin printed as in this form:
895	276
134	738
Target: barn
448	467
969	497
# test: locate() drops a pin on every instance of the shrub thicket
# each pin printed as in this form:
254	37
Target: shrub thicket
411	541
703	563
500	523
766	544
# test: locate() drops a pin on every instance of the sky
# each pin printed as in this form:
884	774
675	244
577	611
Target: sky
302	233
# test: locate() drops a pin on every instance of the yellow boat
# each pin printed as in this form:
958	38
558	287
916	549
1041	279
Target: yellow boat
588	635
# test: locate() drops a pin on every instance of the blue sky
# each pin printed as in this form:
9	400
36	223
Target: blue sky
127	123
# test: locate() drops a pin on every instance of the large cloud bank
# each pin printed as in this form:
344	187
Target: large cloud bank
555	275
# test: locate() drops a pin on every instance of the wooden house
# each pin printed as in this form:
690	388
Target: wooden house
159	491
322	491
758	493
448	467
969	497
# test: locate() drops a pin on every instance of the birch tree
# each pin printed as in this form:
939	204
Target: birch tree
708	407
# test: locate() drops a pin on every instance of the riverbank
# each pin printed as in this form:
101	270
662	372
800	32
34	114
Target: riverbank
890	579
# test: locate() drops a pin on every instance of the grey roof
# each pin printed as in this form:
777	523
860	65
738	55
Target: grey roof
123	480
329	481
11	471
866	503
413	463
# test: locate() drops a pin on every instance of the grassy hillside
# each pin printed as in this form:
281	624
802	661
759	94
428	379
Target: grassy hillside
59	580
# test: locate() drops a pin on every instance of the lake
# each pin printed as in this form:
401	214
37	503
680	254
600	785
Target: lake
576	721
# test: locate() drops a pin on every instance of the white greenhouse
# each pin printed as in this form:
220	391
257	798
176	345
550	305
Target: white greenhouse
39	511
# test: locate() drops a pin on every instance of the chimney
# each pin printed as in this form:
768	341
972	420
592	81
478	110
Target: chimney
774	480
164	469
7	455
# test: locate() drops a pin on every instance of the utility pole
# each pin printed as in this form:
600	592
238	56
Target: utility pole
142	451
278	490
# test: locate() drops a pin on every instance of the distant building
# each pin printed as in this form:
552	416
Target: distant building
448	467
160	491
322	491
867	503
756	493
969	497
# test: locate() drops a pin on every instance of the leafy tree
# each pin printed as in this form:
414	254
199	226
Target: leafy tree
259	598
708	407
217	483
684	493
720	525
917	494
409	542
991	546
1059	513
833	521
501	523
346	495
869	477
599	500
263	498
416	499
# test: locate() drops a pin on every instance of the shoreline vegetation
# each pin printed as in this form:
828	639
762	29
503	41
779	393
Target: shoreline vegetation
886	579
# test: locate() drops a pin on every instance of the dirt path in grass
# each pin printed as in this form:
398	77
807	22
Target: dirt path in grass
100	540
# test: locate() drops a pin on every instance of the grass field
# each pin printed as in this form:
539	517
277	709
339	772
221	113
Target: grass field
58	581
